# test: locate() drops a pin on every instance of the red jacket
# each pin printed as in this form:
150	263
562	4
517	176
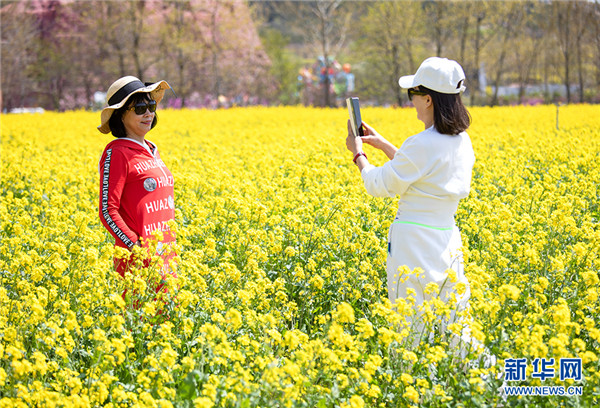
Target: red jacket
136	193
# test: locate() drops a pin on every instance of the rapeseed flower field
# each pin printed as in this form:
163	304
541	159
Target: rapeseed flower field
280	299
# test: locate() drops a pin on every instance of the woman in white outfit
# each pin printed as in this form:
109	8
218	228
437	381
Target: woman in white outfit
430	172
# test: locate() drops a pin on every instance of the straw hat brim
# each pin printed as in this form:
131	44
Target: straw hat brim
156	90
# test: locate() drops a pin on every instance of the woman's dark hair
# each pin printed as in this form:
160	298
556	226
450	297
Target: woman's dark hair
117	128
450	116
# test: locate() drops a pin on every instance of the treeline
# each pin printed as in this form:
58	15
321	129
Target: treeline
58	54
519	43
512	51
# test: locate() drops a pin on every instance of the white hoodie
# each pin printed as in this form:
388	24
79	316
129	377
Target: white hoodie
430	172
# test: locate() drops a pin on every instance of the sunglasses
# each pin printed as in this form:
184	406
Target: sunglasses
412	92
140	108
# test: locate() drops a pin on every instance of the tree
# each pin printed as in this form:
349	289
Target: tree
284	67
525	52
64	51
59	39
330	33
595	12
323	24
570	28
438	26
388	41
509	24
20	47
182	47
581	16
481	12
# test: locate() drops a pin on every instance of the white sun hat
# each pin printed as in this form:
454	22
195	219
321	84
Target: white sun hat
438	74
119	92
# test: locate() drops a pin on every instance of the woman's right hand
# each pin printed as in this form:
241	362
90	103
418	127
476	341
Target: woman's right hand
374	139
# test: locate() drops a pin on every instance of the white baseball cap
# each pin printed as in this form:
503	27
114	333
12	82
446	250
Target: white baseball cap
438	74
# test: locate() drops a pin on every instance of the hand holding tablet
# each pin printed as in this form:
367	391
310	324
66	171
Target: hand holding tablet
355	119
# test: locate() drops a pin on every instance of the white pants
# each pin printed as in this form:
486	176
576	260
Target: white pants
434	250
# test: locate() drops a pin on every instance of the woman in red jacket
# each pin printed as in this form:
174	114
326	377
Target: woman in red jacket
136	188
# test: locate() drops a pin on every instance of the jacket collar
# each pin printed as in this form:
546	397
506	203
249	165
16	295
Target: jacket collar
148	146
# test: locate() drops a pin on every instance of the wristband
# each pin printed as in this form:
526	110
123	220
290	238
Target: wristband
358	155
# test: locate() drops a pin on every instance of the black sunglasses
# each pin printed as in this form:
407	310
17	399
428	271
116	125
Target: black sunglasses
412	92
140	108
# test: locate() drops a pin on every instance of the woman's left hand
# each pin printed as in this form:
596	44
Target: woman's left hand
353	143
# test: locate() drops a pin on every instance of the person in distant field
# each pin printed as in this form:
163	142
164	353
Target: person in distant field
136	188
431	172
